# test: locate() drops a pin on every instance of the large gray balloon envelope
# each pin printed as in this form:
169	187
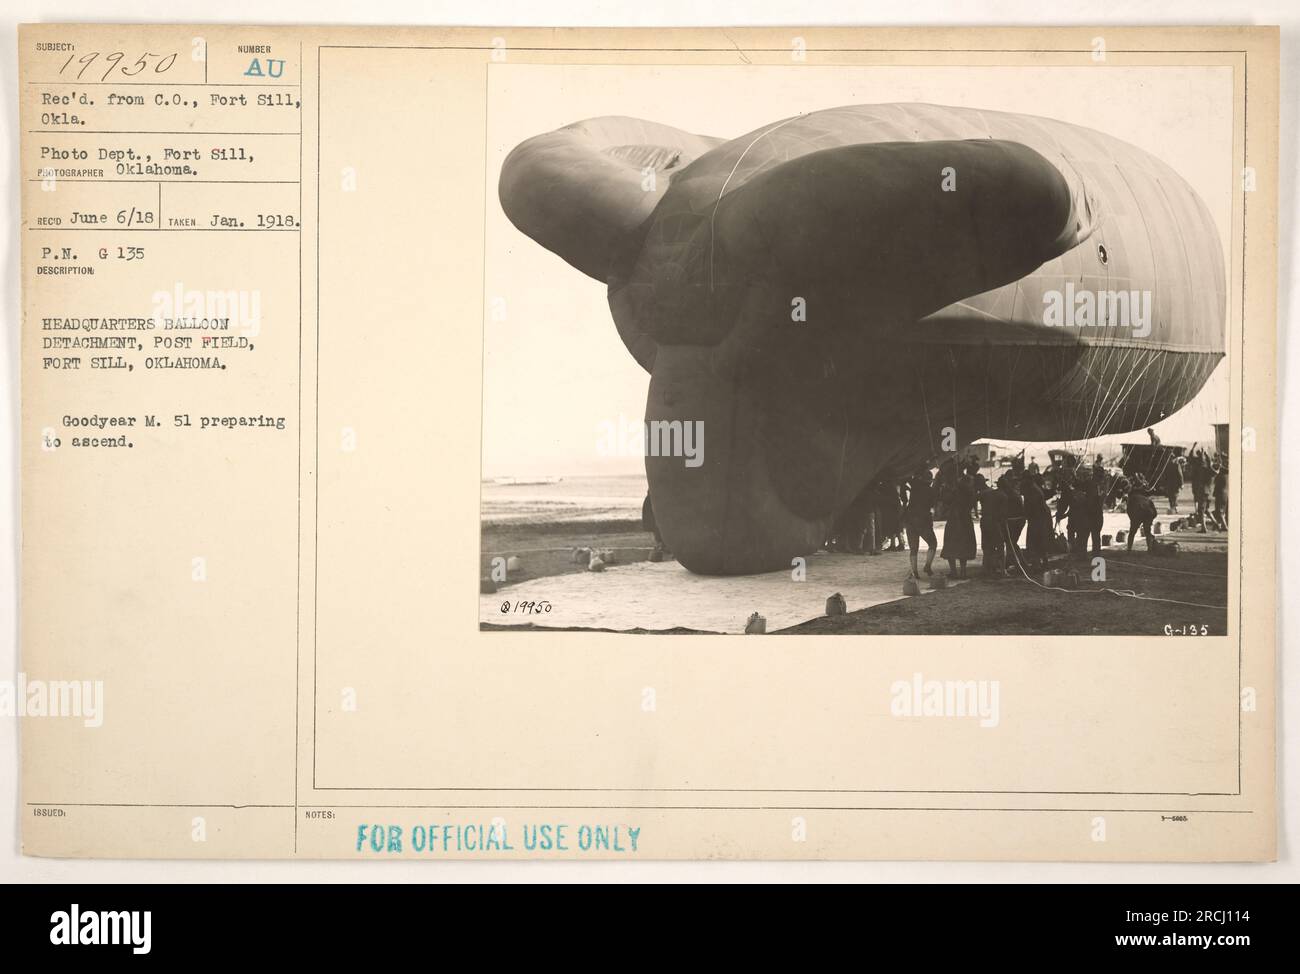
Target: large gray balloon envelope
838	297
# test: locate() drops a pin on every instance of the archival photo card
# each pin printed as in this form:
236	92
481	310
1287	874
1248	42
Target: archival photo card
649	444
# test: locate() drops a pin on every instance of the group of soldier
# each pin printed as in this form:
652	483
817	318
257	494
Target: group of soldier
896	514
1208	476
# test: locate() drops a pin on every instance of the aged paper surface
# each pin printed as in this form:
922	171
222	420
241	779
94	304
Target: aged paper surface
286	595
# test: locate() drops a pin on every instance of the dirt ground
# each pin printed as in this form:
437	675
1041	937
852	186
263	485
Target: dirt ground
1005	606
1014	606
547	549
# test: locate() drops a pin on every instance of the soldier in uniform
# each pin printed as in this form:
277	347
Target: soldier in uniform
1141	510
1038	521
958	530
993	526
1221	493
918	520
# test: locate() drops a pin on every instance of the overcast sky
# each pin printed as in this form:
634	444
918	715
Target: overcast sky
555	369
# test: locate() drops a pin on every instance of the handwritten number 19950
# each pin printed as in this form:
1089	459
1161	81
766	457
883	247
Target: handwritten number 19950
115	60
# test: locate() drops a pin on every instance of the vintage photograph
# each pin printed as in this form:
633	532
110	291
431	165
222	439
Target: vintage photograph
858	350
